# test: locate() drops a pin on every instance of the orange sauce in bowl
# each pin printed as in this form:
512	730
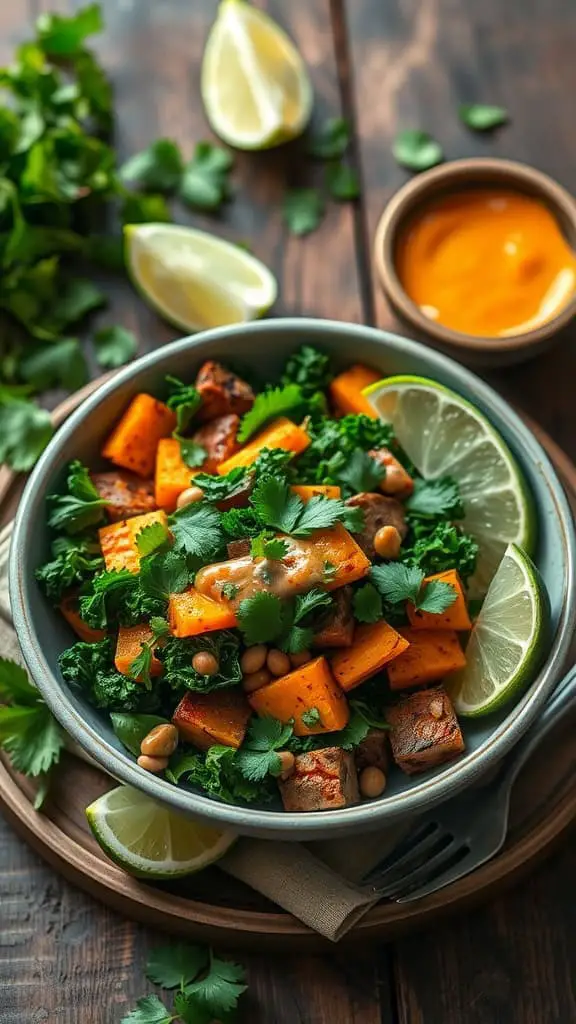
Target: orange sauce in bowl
486	262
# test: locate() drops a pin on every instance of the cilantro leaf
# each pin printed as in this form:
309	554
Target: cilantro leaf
220	988
281	401
58	364
396	582
296	639
204	182
25	430
230	591
267	546
342	182
193	454
219	488
311	717
362	472
148	1010
157	168
367	604
184	400
330	140
75	560
141	665
256	765
416	150
276	505
62	36
196	530
436	596
159	626
482	117
176	966
260	618
141	207
15	687
311	602
217	773
319	514
309	369
80	507
114	346
361	707
433	499
354	732
302	210
132	729
151	537
163	574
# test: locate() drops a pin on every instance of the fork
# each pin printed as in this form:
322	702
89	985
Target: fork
467	830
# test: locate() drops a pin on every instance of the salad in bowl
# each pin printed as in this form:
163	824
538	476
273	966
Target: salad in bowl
282	596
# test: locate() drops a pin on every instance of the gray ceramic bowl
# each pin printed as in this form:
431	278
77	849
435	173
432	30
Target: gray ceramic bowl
264	346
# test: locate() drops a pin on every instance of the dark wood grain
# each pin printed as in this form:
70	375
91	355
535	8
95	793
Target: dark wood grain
63	957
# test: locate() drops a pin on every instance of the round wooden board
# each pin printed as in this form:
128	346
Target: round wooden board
220	909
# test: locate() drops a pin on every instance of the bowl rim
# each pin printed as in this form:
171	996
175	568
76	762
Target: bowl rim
461	173
425	793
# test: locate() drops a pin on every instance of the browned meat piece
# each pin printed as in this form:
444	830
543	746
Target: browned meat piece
323	780
218	439
125	494
378	511
222	392
424	731
397	480
372	752
336	628
238	548
239	499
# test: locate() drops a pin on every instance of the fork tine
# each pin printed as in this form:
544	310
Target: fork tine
426	874
420	838
452	873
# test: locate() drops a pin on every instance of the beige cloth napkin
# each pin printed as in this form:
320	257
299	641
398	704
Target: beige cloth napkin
315	882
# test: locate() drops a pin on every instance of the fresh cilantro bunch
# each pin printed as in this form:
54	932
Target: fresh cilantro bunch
28	731
206	988
177	654
90	666
335	443
265	618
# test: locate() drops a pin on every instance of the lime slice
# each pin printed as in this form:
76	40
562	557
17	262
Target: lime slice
150	841
445	435
506	640
255	85
196	280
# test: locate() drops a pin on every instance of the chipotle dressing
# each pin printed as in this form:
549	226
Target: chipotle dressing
486	262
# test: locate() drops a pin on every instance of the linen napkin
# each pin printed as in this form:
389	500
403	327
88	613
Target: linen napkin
316	882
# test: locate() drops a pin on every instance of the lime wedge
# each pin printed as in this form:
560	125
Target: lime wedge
255	85
445	435
506	641
196	280
149	840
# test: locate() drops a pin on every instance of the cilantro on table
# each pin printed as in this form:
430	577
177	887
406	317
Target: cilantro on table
302	210
176	655
205	181
25	431
286	400
398	583
59	363
416	150
258	755
310	369
437	546
28	731
74	560
342	181
482	117
90	667
329	140
80	506
114	346
208	987
157	168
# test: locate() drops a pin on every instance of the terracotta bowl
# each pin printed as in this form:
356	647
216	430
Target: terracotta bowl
455	177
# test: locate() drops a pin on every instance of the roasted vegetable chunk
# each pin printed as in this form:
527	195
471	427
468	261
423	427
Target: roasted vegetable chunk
308	696
336	628
424	731
119	544
172	475
69	608
372	752
129	645
132	443
191	614
346	390
205	719
378	512
456	615
323	780
218	439
375	644
222	392
281	433
432	654
125	494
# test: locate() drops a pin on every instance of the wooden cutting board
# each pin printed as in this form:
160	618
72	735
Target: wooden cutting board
225	911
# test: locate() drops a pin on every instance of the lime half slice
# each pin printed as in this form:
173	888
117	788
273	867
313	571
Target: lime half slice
445	435
196	280
149	840
255	85
506	641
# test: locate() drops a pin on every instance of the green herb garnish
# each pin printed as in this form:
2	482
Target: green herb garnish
302	210
417	150
482	117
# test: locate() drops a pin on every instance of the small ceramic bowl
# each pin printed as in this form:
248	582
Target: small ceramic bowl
451	178
43	633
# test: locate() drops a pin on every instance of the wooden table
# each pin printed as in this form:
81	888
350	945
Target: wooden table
386	65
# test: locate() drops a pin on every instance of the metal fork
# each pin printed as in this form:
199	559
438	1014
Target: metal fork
468	830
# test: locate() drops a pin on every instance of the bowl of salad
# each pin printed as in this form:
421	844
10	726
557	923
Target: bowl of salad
296	577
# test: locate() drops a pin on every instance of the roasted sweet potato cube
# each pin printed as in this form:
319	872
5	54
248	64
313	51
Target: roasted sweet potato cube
372	752
346	390
456	615
191	614
206	719
432	654
424	731
375	644
129	645
118	540
323	780
308	696
132	443
69	608
172	475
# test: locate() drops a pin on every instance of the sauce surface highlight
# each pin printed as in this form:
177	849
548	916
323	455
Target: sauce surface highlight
487	262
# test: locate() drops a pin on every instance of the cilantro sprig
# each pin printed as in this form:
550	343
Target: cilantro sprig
398	583
280	508
258	755
80	506
286	400
265	618
28	731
